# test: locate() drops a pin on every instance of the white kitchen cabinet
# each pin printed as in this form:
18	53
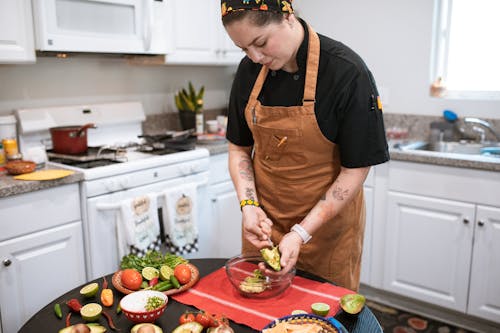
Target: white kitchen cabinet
484	298
197	35
442	238
41	249
16	32
224	208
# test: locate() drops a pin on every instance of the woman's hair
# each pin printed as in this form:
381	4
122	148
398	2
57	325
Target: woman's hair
256	17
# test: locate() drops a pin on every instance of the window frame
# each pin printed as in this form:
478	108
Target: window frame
440	50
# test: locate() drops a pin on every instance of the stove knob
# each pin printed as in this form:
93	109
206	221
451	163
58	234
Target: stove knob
111	185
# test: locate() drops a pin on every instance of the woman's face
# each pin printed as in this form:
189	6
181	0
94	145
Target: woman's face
274	45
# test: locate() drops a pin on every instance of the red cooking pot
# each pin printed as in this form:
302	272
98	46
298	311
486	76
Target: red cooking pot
70	139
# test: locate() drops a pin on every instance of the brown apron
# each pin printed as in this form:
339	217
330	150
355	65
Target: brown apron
293	173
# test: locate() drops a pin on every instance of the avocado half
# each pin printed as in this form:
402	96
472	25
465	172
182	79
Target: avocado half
272	257
135	329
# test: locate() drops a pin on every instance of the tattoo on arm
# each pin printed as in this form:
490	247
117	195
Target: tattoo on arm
250	193
246	169
339	193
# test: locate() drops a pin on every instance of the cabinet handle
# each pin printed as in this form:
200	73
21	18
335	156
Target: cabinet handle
466	221
480	223
7	262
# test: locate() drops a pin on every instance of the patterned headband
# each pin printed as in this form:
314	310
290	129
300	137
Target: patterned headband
279	6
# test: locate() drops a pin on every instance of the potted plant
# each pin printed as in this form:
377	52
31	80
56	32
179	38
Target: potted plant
190	105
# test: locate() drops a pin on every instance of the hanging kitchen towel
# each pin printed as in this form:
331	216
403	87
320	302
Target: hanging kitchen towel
138	227
179	219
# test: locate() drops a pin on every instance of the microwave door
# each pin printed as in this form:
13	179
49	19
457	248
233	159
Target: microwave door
104	26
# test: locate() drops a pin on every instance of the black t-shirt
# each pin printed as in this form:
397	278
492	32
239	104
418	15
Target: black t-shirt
346	101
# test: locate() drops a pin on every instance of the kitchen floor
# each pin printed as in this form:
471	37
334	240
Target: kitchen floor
397	321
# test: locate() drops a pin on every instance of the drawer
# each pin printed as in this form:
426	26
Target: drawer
26	213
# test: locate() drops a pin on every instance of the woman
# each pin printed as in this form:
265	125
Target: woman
305	125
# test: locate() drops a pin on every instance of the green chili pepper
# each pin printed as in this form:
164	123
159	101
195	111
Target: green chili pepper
118	309
175	282
57	310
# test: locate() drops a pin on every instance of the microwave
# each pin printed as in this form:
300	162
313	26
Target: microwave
101	26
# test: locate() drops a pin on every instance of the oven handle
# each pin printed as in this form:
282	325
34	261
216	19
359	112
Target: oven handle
113	206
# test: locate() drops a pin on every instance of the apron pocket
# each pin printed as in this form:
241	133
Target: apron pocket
279	147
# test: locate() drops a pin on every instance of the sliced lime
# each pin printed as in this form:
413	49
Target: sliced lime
90	289
149	273
320	309
91	312
296	312
166	272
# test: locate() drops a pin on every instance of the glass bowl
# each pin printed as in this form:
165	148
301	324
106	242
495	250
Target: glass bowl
133	306
242	267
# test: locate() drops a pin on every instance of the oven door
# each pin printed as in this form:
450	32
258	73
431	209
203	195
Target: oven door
100	224
105	26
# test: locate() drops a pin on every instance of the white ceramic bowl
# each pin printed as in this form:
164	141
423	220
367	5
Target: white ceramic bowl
133	306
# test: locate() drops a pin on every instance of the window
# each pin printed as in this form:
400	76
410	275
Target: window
466	50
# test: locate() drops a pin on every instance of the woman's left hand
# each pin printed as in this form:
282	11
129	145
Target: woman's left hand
289	249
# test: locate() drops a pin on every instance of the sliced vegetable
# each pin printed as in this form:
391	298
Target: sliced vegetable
272	257
94	328
146	328
91	312
90	290
58	310
191	327
320	309
352	303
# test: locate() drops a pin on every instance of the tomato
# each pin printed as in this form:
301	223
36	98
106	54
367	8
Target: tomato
187	317
131	279
204	319
182	273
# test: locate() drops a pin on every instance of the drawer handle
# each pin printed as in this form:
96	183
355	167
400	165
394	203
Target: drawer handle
7	262
466	221
480	223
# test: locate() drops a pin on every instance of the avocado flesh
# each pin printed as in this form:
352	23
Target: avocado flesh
135	329
93	328
272	257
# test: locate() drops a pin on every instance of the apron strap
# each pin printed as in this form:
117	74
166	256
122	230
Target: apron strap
312	67
259	82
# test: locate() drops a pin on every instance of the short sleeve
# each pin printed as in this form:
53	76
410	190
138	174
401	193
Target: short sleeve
361	136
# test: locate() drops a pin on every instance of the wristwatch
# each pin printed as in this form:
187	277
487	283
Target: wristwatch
306	237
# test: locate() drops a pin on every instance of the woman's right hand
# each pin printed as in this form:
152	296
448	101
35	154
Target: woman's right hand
256	226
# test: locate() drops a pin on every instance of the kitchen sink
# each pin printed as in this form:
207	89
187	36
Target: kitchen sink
455	147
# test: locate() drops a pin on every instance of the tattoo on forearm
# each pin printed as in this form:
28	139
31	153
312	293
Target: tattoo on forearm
246	169
250	193
339	193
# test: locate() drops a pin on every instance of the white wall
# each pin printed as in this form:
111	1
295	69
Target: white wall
394	38
100	79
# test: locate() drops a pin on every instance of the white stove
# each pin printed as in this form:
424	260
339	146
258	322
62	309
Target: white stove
133	173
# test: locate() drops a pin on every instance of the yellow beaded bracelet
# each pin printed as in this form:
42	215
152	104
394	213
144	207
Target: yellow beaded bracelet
248	202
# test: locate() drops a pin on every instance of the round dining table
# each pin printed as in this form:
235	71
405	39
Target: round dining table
45	320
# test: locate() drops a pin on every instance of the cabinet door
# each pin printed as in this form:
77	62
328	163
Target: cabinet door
484	297
37	268
428	249
367	243
227	52
226	218
16	32
192	32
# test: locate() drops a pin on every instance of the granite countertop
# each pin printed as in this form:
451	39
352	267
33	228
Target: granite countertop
10	186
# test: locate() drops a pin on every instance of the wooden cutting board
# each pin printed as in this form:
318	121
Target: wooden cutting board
48	174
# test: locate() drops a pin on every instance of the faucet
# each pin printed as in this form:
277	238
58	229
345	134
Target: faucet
483	123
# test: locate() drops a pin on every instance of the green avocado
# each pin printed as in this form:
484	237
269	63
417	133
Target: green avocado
272	257
136	328
94	328
191	327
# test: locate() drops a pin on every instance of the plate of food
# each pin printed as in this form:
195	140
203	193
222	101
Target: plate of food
305	323
167	273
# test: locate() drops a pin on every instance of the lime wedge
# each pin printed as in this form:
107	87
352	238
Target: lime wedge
90	290
149	273
296	312
320	309
166	272
91	312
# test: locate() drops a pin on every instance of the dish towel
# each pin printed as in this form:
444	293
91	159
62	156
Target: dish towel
138	227
179	219
215	294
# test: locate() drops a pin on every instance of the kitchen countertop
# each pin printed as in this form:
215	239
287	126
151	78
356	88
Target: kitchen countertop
10	186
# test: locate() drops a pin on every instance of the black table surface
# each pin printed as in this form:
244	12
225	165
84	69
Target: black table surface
46	321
